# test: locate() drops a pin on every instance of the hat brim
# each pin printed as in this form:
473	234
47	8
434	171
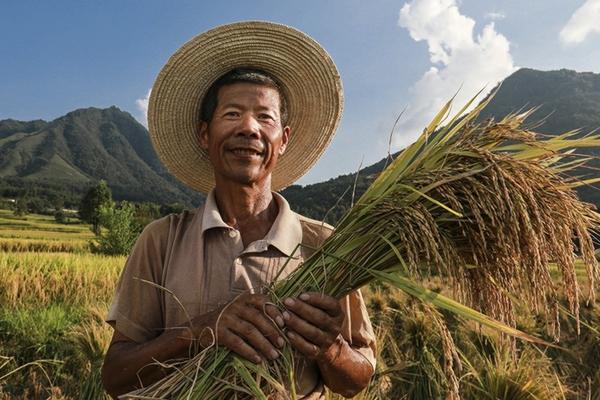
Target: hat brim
308	78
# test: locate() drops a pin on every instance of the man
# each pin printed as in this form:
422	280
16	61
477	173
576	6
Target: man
228	131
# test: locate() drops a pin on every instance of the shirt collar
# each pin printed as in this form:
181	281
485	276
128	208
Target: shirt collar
211	218
285	233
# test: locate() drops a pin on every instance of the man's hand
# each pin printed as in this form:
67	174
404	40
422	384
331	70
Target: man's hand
243	327
314	322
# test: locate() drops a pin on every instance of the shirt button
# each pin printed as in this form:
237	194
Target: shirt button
238	261
232	233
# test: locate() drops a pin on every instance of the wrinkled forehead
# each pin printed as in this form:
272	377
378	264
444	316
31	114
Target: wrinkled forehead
238	91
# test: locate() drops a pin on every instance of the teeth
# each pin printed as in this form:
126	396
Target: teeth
245	152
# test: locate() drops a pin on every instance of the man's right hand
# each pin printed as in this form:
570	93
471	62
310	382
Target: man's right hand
242	327
245	326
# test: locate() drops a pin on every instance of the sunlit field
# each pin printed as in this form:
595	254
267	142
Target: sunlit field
54	294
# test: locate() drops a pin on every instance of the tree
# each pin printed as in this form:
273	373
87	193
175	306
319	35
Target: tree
146	212
97	197
60	216
173	208
21	208
119	229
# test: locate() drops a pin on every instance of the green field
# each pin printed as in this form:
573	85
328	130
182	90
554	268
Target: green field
54	294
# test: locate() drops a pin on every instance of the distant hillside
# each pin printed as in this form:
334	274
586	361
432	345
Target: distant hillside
60	159
65	156
566	99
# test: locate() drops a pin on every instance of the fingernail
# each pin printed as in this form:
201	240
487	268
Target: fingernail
286	315
291	335
289	302
279	321
280	341
304	296
274	354
257	359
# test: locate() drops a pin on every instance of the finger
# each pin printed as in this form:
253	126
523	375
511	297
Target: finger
313	315
263	303
254	338
236	344
307	330
302	345
264	325
273	311
329	304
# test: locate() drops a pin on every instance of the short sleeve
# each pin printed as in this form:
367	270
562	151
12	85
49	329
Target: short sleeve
137	307
357	329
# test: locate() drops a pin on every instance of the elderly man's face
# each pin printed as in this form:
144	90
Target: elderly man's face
245	138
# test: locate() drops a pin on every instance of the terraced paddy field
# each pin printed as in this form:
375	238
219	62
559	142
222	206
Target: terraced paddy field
41	233
54	294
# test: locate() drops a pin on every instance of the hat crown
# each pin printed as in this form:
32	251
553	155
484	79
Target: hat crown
307	76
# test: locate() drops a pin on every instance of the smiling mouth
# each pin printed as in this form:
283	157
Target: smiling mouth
246	152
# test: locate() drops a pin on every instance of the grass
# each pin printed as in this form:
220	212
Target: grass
52	303
41	233
60	326
40	279
41	245
53	297
39	222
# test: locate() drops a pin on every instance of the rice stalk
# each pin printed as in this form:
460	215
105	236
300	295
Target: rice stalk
485	205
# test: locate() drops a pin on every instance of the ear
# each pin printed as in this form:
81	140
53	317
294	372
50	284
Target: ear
285	137
203	135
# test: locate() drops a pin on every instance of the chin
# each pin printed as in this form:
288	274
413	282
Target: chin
247	179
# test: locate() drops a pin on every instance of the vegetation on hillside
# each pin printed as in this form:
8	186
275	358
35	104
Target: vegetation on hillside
62	158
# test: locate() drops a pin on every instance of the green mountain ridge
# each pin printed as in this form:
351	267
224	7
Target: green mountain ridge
65	156
86	145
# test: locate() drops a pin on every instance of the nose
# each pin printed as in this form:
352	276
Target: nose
249	126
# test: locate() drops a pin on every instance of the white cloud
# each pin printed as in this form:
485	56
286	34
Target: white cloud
495	16
585	20
460	60
142	105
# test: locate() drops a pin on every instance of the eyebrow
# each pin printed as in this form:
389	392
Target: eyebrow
238	105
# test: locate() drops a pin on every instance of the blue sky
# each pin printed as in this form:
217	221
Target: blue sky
62	55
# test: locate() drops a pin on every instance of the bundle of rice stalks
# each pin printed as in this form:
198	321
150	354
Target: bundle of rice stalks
486	205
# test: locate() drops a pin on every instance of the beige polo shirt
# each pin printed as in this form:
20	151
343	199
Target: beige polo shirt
202	261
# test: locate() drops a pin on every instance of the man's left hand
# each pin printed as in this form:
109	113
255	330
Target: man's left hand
314	321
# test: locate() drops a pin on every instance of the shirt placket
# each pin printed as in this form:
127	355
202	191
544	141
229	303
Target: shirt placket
237	266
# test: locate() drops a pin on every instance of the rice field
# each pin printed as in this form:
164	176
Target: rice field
52	336
40	233
54	294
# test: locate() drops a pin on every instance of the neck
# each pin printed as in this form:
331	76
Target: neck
246	206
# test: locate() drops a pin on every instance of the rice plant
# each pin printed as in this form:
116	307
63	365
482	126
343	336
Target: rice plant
43	279
504	375
418	358
17	245
91	339
486	205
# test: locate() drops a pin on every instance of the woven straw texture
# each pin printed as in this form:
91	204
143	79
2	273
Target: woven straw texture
307	74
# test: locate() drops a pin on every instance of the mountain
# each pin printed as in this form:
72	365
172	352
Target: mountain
62	158
566	100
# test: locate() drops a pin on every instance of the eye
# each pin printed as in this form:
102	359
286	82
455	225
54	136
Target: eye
265	116
232	114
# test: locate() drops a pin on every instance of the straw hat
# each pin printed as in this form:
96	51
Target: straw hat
308	78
